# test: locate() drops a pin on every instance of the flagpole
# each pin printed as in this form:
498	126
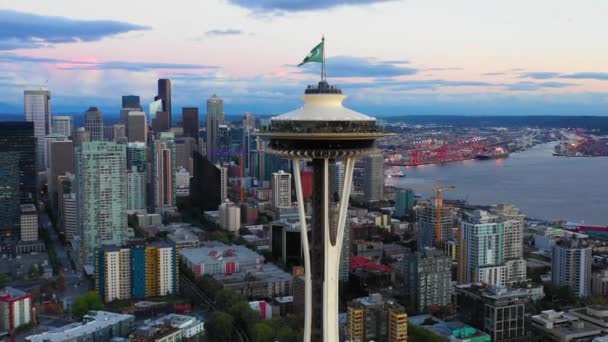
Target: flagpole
323	63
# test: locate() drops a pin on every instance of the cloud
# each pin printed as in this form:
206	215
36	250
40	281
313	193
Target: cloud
493	74
66	64
602	76
539	75
346	66
226	32
19	30
529	86
299	5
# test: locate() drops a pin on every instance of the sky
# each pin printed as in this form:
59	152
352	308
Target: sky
391	57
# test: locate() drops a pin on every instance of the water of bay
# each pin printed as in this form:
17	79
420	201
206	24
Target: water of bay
541	185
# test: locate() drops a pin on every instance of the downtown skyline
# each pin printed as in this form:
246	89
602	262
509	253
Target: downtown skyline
437	57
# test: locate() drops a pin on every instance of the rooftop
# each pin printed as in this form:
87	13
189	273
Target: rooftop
93	321
10	293
213	253
457	329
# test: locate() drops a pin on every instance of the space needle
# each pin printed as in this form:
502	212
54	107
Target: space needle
320	133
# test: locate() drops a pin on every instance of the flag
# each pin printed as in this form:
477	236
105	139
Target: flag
315	55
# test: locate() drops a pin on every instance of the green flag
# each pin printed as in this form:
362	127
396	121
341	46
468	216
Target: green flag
315	55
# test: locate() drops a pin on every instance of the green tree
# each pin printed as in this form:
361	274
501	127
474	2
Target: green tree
220	236
263	332
88	301
219	326
4	279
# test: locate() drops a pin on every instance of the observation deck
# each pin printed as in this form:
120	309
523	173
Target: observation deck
322	128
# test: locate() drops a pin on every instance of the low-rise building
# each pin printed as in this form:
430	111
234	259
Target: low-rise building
266	282
170	328
594	314
95	326
497	311
218	259
16	309
452	331
563	327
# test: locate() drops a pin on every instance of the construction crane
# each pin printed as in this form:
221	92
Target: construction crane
438	205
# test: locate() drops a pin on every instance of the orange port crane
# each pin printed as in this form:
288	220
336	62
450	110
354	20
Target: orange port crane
438	205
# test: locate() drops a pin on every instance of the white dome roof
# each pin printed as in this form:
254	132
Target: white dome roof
323	107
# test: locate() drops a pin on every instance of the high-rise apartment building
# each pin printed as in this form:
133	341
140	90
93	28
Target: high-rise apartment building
163	172
230	217
481	250
164	94
69	216
281	189
337	178
428	227
137	271
374	178
63	125
427	275
190	122
29	223
182	182
376	319
137	126
223	182
93	123
37	105
215	117
571	265
136	190
137	156
67	186
102	196
513	232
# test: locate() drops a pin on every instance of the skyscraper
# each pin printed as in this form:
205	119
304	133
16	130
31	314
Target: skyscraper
184	147
205	186
404	202
322	131
119	133
137	126
374	178
102	196
571	265
190	122
61	160
427	275
482	256
337	178
223	182
63	125
137	162
38	110
161	122
17	171
281	189
164	94
131	101
163	172
215	117
155	107
93	123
